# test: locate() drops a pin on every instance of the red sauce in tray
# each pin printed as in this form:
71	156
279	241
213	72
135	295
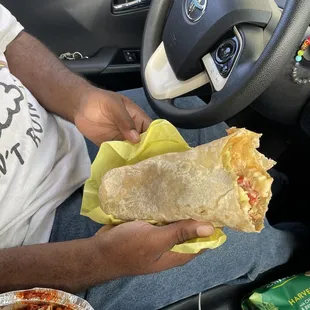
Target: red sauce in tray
48	298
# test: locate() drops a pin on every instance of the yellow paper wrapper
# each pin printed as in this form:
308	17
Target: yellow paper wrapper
161	138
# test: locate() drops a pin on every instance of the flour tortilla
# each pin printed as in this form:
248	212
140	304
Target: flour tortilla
199	184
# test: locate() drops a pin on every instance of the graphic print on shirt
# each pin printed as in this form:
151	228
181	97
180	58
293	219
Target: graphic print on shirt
10	107
36	128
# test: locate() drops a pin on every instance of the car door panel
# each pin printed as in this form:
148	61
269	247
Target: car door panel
88	27
78	25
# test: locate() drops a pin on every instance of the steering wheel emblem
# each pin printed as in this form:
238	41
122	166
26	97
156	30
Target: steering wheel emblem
195	9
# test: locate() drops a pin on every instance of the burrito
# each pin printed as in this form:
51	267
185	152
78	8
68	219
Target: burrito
224	182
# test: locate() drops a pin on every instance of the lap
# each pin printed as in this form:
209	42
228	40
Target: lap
240	259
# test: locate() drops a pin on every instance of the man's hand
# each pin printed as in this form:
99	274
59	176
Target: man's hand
139	248
134	248
106	116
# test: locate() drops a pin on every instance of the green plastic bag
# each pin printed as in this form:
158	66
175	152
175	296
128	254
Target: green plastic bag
284	294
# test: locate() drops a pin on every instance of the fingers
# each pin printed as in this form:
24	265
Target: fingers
146	123
141	119
129	118
171	260
141	248
104	229
125	123
180	232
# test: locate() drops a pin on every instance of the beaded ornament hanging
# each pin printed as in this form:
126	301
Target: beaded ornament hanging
299	57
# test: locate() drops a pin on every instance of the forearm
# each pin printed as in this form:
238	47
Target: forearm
71	266
56	88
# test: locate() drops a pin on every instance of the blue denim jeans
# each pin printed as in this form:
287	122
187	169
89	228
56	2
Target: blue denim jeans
241	259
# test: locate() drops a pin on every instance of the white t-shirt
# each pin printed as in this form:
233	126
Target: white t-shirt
43	158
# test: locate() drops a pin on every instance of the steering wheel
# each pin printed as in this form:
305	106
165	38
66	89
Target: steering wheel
238	46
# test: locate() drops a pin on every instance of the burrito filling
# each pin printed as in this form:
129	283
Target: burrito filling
246	185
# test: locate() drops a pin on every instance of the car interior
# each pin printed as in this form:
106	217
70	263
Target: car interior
241	57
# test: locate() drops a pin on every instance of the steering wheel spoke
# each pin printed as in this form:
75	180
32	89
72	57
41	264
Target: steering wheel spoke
162	81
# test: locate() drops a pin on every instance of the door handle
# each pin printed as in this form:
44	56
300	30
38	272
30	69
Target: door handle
122	6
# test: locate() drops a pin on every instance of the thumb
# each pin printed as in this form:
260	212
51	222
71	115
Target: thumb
180	232
125	123
104	229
